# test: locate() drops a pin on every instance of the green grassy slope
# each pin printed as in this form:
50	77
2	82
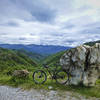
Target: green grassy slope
35	56
53	59
11	60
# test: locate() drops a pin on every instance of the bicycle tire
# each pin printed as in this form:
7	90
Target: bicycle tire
40	74
60	77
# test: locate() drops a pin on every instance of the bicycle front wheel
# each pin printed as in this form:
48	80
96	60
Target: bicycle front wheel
62	77
39	77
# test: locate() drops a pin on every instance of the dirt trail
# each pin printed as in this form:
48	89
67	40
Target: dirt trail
9	93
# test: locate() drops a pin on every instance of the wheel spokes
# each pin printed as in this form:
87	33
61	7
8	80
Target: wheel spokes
62	77
39	77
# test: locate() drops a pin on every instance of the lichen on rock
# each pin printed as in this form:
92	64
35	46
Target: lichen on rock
83	63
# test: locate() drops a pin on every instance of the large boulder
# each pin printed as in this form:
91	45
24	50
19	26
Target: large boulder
93	70
21	73
83	63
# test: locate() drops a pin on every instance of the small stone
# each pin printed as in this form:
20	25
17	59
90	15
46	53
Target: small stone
50	87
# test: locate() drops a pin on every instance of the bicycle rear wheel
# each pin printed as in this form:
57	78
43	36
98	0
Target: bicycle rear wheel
39	77
62	77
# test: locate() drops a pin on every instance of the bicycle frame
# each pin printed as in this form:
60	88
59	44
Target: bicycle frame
52	74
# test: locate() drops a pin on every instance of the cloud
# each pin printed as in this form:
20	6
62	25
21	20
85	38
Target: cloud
10	23
28	10
47	22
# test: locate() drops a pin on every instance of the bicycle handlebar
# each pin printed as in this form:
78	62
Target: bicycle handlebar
46	66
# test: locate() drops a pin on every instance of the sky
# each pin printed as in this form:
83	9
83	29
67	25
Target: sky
49	22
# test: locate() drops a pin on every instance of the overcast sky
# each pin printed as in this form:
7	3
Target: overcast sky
49	22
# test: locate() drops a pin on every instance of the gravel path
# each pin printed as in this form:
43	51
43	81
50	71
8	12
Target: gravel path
9	93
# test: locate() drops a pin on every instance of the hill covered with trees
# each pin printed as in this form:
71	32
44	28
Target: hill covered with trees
11	60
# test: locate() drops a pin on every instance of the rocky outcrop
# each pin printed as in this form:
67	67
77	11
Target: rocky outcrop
21	73
83	63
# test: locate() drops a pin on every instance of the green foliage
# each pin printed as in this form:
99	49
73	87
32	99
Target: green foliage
35	56
53	59
11	60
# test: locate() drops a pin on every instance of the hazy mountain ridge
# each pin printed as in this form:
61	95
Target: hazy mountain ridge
40	49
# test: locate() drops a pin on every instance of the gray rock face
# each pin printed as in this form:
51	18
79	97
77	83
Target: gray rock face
83	63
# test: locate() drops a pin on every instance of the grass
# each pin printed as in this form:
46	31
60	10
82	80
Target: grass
28	84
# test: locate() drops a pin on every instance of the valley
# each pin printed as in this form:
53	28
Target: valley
18	59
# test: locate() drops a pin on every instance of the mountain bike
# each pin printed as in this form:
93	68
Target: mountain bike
40	76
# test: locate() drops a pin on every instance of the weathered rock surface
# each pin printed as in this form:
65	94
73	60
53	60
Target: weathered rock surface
83	63
21	73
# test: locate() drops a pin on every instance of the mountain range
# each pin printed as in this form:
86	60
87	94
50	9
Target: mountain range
40	49
16	57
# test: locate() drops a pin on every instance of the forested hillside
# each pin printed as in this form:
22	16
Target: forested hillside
53	59
34	56
12	60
